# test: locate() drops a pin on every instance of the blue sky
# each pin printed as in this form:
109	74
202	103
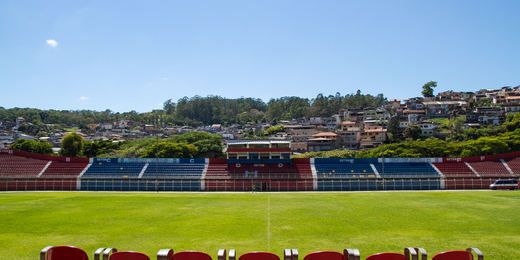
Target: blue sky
134	55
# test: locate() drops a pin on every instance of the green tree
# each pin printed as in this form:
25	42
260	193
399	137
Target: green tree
32	146
42	134
328	154
171	150
454	126
98	147
428	89
169	107
71	145
395	129
512	121
274	129
413	131
208	145
484	146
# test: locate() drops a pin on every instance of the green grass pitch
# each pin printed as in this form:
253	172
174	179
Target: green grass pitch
372	222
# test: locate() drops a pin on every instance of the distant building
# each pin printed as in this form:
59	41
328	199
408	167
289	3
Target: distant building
324	141
300	133
372	137
19	121
349	135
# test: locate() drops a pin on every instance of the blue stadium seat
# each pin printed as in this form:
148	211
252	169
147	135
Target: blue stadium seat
114	170
350	170
165	170
406	170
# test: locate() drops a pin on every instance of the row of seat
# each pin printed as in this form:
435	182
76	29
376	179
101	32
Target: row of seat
490	168
410	253
455	169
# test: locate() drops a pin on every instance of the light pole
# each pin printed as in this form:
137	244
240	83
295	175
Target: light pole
156	120
383	138
383	160
157	156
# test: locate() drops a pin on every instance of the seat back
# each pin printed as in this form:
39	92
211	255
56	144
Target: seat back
454	255
190	255
324	255
65	253
259	256
128	255
387	256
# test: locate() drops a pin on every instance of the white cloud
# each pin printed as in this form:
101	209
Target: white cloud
52	43
83	98
165	78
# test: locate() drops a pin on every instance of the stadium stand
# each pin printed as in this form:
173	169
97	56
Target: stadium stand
490	168
218	177
64	169
302	169
21	171
514	165
344	170
63	253
418	169
368	174
114	170
218	171
20	166
296	176
168	170
455	169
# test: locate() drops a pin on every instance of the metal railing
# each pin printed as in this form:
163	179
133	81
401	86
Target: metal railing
243	184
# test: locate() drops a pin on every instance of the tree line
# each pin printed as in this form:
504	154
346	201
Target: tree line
199	111
188	145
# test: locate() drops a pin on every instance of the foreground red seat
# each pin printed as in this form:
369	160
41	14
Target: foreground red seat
63	253
348	254
324	255
408	252
113	254
259	255
128	255
459	255
168	254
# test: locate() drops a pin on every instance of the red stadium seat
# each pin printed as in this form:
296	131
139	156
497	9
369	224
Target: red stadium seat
324	255
128	255
257	255
168	254
387	256
63	253
190	255
113	254
459	255
348	254
408	252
